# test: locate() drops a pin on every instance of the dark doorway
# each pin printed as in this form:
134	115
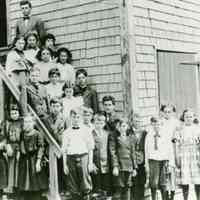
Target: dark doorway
3	24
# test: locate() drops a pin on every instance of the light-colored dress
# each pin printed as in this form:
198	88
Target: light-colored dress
187	139
67	72
44	70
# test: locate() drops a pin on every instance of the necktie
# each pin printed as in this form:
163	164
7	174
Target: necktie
156	136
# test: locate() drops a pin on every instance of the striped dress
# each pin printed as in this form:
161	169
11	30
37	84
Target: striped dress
189	154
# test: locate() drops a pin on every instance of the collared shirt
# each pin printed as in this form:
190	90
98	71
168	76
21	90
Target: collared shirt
77	141
158	146
54	90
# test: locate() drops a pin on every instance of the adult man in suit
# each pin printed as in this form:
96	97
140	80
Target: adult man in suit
29	23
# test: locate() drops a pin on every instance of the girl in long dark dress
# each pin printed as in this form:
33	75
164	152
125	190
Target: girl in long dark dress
32	176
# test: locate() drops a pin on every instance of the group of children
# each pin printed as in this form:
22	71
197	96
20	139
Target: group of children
104	156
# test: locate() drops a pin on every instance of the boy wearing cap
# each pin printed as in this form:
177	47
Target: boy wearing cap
78	145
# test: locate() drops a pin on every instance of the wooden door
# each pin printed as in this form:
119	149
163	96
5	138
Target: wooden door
178	82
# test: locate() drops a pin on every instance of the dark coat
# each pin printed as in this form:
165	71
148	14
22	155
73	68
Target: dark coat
89	95
122	152
34	25
32	148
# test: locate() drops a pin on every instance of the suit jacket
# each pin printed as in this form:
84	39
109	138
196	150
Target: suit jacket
89	97
101	157
110	125
34	25
56	126
122	152
38	95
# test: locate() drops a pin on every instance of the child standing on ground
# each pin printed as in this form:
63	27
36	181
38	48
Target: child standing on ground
122	150
78	146
33	179
101	176
13	130
187	143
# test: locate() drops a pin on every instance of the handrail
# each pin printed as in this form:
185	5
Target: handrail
14	90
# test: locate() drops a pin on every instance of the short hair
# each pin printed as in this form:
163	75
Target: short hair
34	69
67	84
163	106
48	36
182	118
98	115
24	2
32	34
54	71
75	111
14	107
55	100
81	71
154	119
39	54
108	98
67	51
87	109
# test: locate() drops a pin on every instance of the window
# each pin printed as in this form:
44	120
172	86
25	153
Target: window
3	24
178	82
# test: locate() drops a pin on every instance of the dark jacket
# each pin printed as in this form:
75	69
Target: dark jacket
122	152
34	25
89	97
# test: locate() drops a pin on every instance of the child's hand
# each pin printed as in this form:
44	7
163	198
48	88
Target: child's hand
18	156
115	171
66	169
90	167
95	169
9	150
147	182
134	173
38	165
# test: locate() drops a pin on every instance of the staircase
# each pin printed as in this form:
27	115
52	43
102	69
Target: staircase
54	149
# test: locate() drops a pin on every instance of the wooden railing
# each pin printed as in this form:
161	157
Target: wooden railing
54	148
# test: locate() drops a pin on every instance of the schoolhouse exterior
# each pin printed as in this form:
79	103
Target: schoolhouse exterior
139	51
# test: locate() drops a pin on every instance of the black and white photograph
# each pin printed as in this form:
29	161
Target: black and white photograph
99	99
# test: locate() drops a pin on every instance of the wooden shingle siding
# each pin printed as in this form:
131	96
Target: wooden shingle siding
91	30
172	25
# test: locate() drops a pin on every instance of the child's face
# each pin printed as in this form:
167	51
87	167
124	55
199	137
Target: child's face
35	76
81	80
32	41
168	112
45	55
54	78
14	114
108	106
20	44
99	123
69	92
123	127
189	118
87	117
136	122
63	57
56	108
26	9
75	119
157	125
49	43
28	123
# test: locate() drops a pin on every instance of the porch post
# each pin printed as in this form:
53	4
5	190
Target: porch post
53	175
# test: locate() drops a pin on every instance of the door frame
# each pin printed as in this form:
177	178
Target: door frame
197	76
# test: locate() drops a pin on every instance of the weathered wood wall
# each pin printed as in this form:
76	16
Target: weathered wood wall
91	30
172	25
